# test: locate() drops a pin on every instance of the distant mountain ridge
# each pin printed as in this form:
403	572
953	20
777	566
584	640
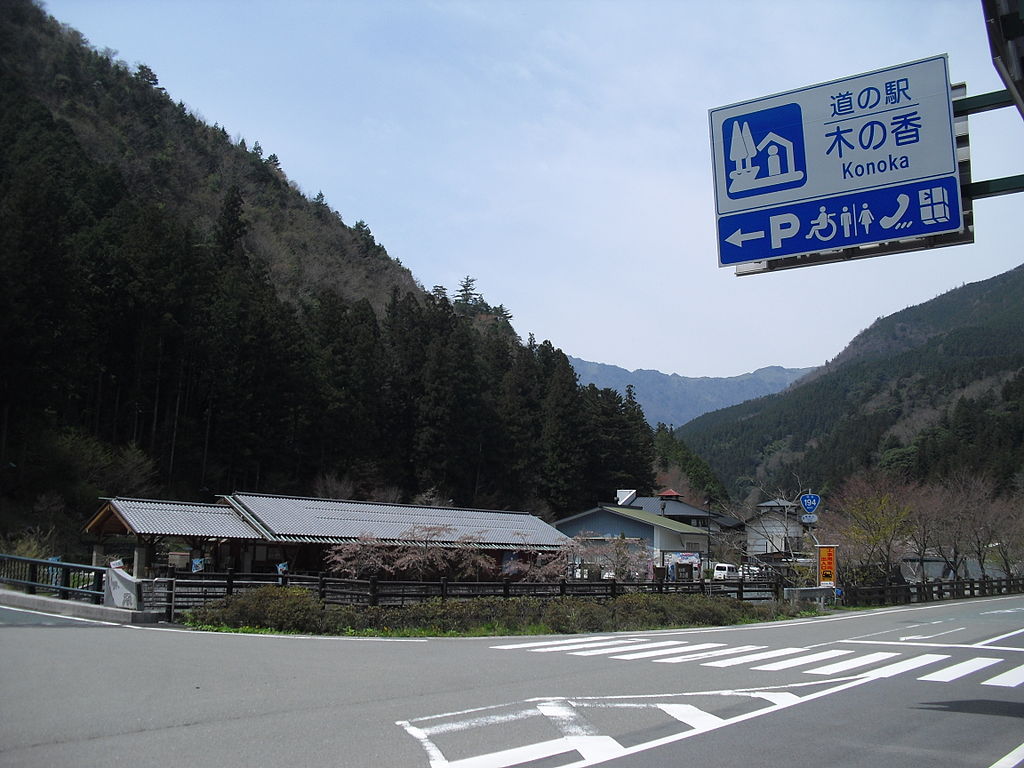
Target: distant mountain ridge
671	399
928	391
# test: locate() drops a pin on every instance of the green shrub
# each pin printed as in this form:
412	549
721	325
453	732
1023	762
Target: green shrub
297	610
576	614
286	609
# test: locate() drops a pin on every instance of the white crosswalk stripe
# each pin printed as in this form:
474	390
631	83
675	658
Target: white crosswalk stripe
708	654
544	643
605	651
667	651
605	643
803	660
1009	679
721	655
753	657
962	669
845	666
899	667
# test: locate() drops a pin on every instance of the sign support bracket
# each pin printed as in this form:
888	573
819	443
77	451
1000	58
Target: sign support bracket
973	105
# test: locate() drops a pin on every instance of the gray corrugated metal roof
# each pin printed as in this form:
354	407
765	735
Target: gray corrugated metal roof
327	520
438	544
179	518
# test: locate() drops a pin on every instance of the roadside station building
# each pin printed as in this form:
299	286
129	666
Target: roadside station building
253	532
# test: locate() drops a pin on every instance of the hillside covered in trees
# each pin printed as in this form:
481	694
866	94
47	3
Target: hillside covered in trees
930	392
178	319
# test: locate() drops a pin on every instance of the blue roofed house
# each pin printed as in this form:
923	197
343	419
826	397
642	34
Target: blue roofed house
669	503
678	547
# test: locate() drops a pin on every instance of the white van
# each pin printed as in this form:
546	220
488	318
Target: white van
724	571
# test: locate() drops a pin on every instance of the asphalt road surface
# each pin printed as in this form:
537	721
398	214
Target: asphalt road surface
939	685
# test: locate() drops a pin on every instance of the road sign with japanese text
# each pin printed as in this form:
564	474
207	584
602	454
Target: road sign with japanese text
826	565
862	160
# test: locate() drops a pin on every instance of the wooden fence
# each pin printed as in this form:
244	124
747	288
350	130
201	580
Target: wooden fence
182	592
928	591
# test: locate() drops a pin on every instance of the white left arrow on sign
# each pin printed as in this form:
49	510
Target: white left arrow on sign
737	238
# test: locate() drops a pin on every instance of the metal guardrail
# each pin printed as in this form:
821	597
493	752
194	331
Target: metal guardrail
67	581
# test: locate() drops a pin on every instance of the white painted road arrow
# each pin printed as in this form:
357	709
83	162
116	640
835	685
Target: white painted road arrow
737	238
929	637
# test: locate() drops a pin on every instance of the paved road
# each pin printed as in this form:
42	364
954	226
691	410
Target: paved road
937	685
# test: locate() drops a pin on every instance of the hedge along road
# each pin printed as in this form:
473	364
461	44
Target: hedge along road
939	684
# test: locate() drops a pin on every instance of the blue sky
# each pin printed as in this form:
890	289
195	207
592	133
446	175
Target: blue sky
558	151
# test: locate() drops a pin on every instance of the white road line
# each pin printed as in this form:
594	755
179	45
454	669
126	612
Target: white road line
62	616
455	726
595	749
709	654
1000	637
906	644
603	651
891	670
691	715
667	651
566	718
540	643
591	748
1012	760
843	666
1010	679
799	662
962	669
753	657
619	643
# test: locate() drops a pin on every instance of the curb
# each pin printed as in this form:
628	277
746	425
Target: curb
77	609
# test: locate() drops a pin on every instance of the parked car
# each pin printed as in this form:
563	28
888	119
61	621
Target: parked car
724	571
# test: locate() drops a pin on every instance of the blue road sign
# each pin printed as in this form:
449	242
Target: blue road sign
858	161
905	211
810	502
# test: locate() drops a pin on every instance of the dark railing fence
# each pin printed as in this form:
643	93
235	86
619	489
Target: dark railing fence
927	591
182	591
68	581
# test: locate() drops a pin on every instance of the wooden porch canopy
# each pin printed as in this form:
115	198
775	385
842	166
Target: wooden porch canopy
151	520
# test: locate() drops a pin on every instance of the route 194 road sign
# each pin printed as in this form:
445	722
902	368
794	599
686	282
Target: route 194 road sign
810	502
866	159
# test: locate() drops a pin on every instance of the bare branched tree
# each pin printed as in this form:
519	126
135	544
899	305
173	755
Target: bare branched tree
962	507
362	558
544	565
626	559
870	519
330	486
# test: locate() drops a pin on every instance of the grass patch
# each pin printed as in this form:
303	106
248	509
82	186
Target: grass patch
296	610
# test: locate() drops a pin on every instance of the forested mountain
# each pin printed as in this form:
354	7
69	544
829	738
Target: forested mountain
930	390
674	400
177	319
